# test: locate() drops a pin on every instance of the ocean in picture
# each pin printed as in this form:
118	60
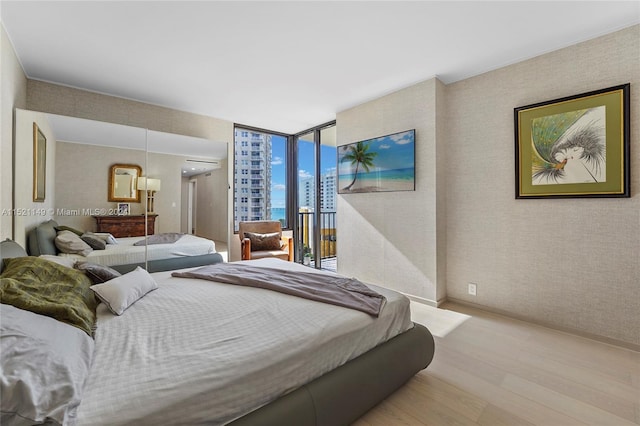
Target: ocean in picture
380	180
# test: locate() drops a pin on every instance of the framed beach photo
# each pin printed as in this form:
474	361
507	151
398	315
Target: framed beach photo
576	146
385	163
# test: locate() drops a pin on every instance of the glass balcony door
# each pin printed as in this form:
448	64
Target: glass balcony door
328	181
306	208
316	201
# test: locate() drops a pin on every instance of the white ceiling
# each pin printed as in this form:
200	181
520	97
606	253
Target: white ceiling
287	66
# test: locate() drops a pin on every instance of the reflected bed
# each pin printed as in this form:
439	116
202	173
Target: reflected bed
125	252
187	251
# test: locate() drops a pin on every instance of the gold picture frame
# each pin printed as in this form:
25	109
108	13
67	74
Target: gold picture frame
576	146
123	183
39	164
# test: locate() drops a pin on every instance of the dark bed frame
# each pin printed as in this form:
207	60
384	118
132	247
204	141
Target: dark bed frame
340	396
343	395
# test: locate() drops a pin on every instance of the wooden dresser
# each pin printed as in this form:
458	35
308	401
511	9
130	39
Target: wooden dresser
126	226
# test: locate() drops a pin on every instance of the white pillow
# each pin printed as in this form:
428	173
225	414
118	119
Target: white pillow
69	262
121	292
44	366
70	243
104	236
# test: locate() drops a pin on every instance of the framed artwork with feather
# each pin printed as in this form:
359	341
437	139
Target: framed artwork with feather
577	146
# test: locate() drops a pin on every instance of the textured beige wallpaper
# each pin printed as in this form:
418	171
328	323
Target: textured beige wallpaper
571	263
13	92
441	167
82	181
390	238
47	97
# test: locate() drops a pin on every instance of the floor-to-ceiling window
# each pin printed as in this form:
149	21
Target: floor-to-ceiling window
290	178
260	176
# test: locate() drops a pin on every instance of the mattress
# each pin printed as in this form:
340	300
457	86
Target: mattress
196	351
125	252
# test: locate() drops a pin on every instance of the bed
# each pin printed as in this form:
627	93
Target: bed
187	251
201	352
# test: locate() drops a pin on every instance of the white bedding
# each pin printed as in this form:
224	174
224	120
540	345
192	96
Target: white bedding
195	351
43	368
125	252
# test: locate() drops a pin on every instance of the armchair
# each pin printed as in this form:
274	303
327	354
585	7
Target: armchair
263	238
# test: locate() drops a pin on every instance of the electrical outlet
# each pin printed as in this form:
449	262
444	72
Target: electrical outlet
472	289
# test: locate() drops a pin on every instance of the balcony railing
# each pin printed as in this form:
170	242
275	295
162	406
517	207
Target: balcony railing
327	233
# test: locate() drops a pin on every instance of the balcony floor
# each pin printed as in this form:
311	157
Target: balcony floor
330	264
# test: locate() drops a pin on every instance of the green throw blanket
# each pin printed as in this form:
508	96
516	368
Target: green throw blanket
46	288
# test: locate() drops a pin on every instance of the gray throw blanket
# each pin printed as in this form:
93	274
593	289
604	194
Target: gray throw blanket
166	238
335	290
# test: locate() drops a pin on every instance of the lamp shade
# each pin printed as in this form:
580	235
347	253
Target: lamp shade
148	184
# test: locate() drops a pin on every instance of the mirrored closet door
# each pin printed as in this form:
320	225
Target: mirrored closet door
105	178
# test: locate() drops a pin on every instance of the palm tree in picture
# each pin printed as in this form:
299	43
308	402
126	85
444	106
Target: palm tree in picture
358	154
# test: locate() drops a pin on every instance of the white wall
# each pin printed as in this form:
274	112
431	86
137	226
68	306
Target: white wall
28	212
211	205
168	200
13	93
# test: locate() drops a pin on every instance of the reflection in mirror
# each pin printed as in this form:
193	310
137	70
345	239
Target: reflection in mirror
39	163
193	173
80	152
123	182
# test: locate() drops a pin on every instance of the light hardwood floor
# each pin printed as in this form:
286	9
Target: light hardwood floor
491	370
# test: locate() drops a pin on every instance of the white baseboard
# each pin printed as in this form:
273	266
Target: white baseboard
573	331
425	301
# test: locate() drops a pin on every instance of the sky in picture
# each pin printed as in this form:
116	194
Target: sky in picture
394	152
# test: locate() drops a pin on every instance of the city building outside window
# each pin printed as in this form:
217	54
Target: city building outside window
261	157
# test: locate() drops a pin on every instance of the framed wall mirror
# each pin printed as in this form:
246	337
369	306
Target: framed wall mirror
123	180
